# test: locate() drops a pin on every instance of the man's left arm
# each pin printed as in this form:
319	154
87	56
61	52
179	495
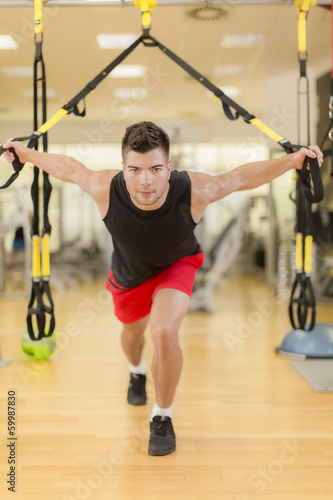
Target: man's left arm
209	188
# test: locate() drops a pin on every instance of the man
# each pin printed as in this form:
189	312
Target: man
151	213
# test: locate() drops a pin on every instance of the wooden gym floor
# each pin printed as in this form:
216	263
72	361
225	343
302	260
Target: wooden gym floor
247	425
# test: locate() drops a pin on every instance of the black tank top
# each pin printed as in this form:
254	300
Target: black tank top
147	242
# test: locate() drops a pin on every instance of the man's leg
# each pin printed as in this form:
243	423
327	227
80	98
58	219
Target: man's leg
168	310
167	313
132	339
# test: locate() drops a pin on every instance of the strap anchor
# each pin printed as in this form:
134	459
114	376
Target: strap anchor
146	7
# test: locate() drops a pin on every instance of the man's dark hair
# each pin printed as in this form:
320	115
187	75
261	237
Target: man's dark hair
144	137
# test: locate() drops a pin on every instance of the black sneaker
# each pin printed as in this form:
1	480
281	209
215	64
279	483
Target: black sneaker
162	439
136	394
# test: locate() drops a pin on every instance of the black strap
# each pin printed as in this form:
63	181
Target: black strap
40	289
302	305
311	180
36	310
71	106
226	101
38	328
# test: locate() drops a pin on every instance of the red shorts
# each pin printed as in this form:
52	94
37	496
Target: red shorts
132	304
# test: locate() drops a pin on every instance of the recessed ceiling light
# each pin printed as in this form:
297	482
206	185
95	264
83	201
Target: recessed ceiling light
136	93
243	40
229	69
121	41
231	92
7	43
128	71
20	71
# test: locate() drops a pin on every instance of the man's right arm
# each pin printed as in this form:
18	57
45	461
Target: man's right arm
67	169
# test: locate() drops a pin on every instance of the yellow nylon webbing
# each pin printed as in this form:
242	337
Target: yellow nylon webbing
299	251
145	6
52	121
38	16
303	9
45	256
307	253
266	130
302	32
35	257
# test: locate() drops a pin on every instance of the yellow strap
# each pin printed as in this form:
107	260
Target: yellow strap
303	9
308	254
266	130
145	6
35	257
302	32
38	16
45	256
299	251
52	121
305	4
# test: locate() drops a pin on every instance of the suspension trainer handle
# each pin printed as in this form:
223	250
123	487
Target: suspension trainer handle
17	165
311	181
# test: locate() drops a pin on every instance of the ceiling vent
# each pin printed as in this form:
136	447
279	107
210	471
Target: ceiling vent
208	13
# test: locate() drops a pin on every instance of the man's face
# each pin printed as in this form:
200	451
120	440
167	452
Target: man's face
147	178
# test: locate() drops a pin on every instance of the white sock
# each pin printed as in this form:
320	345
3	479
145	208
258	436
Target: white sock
162	412
140	369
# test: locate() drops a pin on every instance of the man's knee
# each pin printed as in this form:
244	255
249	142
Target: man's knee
136	329
164	337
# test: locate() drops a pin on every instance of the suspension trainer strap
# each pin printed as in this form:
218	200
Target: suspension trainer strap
309	190
303	7
70	107
302	305
72	104
226	101
311	185
37	309
231	109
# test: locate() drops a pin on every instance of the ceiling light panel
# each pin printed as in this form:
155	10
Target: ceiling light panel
128	71
118	41
17	71
50	93
229	69
7	43
243	40
136	93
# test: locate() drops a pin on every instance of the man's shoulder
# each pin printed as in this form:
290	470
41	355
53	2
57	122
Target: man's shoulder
100	181
179	176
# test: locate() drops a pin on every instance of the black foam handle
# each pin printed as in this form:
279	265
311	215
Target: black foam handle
17	165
